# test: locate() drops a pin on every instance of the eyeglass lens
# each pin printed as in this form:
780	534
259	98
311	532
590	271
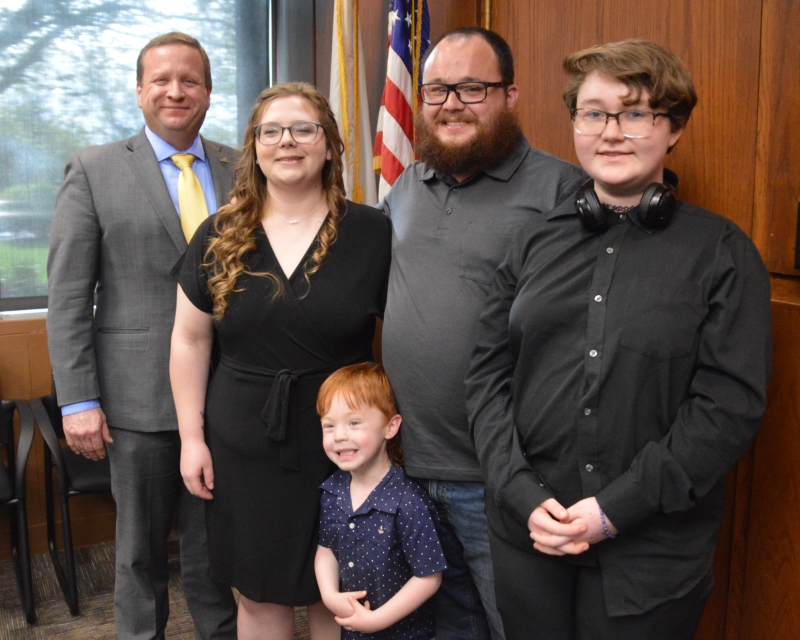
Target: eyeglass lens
633	124
301	132
467	92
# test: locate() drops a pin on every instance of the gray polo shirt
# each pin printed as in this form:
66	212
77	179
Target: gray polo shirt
448	240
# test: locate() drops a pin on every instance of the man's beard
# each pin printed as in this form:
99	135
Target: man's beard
492	142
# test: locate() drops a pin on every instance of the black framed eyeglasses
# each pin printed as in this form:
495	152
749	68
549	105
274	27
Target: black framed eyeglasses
632	124
467	92
271	133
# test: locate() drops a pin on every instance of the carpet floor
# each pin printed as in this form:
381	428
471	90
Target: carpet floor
95	569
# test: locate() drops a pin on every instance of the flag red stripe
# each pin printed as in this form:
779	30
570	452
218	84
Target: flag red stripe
391	167
397	105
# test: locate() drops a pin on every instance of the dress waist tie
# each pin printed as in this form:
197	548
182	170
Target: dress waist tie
279	414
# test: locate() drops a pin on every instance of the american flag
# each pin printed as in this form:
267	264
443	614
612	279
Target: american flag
409	39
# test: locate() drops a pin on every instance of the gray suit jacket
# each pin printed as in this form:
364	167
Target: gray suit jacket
115	228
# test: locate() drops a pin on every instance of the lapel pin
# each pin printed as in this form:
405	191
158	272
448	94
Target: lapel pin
224	160
380	529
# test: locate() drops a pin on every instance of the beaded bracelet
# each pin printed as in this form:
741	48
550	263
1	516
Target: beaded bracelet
605	526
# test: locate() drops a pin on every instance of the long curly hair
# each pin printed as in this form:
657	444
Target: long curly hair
236	223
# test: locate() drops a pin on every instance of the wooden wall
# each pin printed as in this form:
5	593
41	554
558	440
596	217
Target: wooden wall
24	374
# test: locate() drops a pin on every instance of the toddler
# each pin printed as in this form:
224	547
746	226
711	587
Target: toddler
377	538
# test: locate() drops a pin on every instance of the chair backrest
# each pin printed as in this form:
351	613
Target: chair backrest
54	413
7	442
7	423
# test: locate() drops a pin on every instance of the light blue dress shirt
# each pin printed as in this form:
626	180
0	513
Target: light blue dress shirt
170	171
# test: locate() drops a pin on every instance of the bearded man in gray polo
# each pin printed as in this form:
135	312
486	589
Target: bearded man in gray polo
453	215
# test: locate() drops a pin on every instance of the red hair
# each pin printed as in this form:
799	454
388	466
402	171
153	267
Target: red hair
363	385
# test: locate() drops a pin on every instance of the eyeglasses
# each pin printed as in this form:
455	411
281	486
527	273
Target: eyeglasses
467	92
301	132
632	124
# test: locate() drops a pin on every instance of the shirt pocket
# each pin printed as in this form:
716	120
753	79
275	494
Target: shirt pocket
379	536
483	248
662	318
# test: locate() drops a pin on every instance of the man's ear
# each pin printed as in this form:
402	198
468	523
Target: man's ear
393	426
512	95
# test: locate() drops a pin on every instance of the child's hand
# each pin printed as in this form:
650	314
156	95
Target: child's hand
339	603
363	619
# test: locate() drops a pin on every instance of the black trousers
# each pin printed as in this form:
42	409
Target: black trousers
544	597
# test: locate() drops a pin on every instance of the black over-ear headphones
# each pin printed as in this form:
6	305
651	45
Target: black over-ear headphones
654	211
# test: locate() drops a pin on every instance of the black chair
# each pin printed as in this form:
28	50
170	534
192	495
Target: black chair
12	495
75	476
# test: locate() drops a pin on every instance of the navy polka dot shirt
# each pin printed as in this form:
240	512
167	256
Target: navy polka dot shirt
389	538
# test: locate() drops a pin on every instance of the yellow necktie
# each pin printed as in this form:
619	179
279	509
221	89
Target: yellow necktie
191	201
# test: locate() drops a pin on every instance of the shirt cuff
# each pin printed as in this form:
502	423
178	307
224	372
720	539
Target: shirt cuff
69	409
523	493
623	503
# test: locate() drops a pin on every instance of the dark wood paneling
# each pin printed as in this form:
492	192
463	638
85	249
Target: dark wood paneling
734	604
772	582
778	161
717	40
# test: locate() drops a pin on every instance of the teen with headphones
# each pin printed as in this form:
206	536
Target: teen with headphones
620	371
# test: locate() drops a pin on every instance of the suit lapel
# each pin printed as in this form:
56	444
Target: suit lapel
144	165
221	166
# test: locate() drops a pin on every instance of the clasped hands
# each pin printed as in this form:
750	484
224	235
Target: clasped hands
558	531
354	616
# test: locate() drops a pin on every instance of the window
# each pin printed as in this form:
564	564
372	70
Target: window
68	80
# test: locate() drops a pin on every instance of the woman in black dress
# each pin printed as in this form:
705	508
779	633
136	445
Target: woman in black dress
289	278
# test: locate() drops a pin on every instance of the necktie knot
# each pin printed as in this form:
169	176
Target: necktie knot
183	160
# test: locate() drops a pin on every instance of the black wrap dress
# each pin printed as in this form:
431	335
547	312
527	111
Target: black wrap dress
261	423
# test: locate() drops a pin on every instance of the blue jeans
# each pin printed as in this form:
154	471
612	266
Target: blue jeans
465	603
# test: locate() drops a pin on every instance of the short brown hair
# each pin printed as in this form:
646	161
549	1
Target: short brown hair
642	66
363	385
174	37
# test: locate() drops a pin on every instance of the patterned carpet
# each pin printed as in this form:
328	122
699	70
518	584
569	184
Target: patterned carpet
95	569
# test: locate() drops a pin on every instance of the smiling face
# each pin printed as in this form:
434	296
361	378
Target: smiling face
454	126
621	167
355	438
287	163
173	95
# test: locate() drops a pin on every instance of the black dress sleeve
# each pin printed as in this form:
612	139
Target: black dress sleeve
189	271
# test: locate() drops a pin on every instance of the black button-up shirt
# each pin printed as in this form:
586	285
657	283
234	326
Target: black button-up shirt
629	365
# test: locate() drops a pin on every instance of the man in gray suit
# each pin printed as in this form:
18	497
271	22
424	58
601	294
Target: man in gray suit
116	234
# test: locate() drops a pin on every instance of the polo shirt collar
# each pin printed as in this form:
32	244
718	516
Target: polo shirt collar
384	497
164	150
502	171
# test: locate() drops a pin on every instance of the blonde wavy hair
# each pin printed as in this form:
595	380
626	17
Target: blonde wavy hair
236	224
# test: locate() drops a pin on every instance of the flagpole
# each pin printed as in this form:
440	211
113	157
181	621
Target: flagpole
486	14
